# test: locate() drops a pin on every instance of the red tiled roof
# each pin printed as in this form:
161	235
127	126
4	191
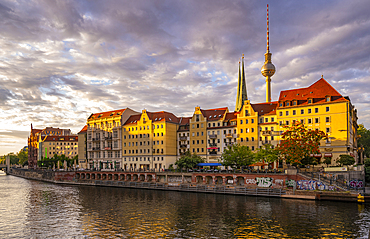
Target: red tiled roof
231	116
267	108
211	113
317	91
107	114
155	117
84	129
184	120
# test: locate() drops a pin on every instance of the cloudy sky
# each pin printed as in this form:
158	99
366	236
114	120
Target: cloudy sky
62	60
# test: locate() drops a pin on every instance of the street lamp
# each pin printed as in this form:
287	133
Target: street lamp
361	150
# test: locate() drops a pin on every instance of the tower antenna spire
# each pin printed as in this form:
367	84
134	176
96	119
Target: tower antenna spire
268	69
268	33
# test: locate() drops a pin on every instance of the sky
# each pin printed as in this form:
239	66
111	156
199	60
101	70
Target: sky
62	60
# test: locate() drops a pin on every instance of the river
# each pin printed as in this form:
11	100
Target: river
34	209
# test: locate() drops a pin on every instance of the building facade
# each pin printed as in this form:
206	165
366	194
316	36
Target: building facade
82	148
58	145
104	138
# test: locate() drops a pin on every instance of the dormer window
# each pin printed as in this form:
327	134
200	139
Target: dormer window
328	98
310	101
281	105
287	104
295	102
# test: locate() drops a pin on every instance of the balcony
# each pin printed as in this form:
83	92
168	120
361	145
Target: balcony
108	137
108	148
213	153
183	145
212	136
95	148
183	138
231	136
266	132
95	139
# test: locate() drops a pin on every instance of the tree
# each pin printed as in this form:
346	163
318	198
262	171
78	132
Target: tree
266	154
327	161
367	170
23	156
188	160
345	159
237	156
364	139
298	143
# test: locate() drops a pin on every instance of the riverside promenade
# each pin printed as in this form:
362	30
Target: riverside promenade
273	184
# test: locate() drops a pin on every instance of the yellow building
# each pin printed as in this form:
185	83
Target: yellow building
149	141
104	138
59	145
321	107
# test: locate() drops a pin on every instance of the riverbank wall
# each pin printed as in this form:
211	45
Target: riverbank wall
259	184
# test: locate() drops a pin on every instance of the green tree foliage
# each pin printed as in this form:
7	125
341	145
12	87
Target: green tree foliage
23	157
345	159
56	159
188	160
266	154
367	170
298	143
364	139
327	161
237	156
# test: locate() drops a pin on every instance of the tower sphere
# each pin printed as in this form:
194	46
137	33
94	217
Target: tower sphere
268	69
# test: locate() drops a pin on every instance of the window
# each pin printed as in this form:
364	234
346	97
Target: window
327	98
327	109
280	113
302	121
252	147
309	111
246	121
294	112
287	103
272	119
201	125
202	133
287	122
294	102
197	126
252	121
327	130
247	139
252	130
281	104
266	120
316	110
246	113
316	120
302	112
252	138
310	101
309	121
327	119
241	121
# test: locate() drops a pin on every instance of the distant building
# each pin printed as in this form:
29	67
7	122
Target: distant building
59	145
37	136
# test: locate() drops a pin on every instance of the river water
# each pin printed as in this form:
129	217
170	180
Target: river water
33	209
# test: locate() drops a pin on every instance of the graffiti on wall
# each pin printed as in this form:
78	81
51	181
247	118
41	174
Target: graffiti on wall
312	185
264	182
356	184
290	183
250	181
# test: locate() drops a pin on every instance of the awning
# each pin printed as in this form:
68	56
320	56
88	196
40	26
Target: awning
209	164
316	155
213	148
328	155
259	164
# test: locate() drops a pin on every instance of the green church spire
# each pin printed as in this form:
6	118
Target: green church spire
241	95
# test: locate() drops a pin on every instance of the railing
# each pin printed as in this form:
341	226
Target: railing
96	148
212	136
266	132
266	142
212	145
267	192
183	145
95	139
108	137
182	138
213	152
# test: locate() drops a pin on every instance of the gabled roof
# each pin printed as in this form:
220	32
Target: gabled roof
319	90
84	129
106	114
231	116
161	116
214	114
184	120
267	108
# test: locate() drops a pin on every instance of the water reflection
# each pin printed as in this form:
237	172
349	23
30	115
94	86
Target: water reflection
32	209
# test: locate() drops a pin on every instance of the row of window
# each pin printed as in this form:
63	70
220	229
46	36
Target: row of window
143	159
309	121
309	111
142	128
247	121
63	143
143	151
109	154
